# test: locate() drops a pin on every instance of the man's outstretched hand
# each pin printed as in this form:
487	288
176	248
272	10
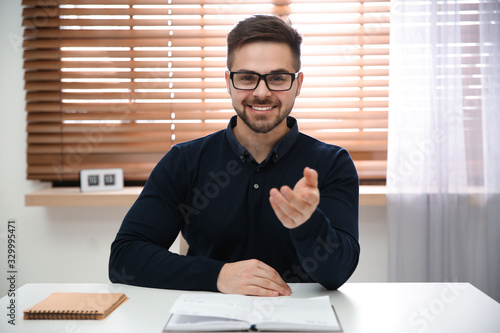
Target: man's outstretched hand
294	207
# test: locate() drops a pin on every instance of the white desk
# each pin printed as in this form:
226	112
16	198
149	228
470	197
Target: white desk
361	307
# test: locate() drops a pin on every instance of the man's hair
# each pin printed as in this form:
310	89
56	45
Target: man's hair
260	28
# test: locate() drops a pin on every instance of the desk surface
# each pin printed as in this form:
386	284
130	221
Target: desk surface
361	307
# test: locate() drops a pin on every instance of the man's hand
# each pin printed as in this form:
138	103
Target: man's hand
294	207
251	277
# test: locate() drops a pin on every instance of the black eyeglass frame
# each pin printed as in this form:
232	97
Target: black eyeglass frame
264	77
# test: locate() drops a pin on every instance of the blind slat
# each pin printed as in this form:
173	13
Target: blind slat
56	54
195	37
179	107
165	114
165	41
182	127
175	64
160	147
115	137
207	21
194	96
57	85
183	2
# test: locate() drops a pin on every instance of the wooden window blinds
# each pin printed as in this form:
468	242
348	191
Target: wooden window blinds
116	83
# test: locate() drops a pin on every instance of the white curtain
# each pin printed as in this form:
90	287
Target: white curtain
443	174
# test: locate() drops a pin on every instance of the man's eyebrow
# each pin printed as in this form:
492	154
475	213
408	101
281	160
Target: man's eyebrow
246	71
281	70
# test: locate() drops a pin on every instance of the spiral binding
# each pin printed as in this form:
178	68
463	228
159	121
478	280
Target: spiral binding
62	314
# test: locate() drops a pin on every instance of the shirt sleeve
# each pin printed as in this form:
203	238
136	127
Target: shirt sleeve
327	244
140	252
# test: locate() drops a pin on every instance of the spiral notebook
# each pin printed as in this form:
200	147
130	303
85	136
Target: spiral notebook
75	306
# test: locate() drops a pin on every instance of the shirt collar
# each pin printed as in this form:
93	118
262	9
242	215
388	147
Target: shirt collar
278	151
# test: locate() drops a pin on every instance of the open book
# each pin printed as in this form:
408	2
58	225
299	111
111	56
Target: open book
219	312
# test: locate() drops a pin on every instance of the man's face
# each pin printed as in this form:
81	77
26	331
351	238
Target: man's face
263	110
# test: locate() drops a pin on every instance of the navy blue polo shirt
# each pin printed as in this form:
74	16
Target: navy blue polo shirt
213	191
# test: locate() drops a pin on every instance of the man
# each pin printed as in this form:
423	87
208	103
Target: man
260	204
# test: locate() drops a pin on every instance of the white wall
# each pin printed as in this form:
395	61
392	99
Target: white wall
72	244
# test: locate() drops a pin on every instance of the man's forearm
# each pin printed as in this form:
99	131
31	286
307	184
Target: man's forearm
148	265
328	255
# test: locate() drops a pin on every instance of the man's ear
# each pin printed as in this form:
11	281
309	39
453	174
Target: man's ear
228	83
300	79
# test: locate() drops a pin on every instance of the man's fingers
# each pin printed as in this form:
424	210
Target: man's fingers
294	207
271	274
293	202
311	177
251	277
287	209
270	278
287	222
299	200
258	291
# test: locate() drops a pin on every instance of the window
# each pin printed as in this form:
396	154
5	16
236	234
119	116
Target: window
116	83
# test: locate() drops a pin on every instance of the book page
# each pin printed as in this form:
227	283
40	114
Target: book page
213	305
293	313
179	322
210	312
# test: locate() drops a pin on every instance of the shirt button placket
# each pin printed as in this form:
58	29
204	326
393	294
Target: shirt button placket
256	178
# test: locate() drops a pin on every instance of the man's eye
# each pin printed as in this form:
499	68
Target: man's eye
277	78
248	78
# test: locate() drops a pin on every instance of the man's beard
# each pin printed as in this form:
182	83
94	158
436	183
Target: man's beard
259	125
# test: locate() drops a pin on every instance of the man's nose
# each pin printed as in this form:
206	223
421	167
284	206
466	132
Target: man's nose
262	89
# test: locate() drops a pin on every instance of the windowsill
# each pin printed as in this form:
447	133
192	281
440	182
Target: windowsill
72	196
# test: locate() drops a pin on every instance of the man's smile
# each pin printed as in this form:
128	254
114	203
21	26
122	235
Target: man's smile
261	108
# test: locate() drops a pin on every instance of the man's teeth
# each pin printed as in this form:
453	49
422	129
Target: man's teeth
262	108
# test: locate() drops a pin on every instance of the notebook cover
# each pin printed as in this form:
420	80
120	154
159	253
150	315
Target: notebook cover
75	306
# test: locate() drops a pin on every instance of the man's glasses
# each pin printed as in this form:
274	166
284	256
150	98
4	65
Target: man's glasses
274	81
